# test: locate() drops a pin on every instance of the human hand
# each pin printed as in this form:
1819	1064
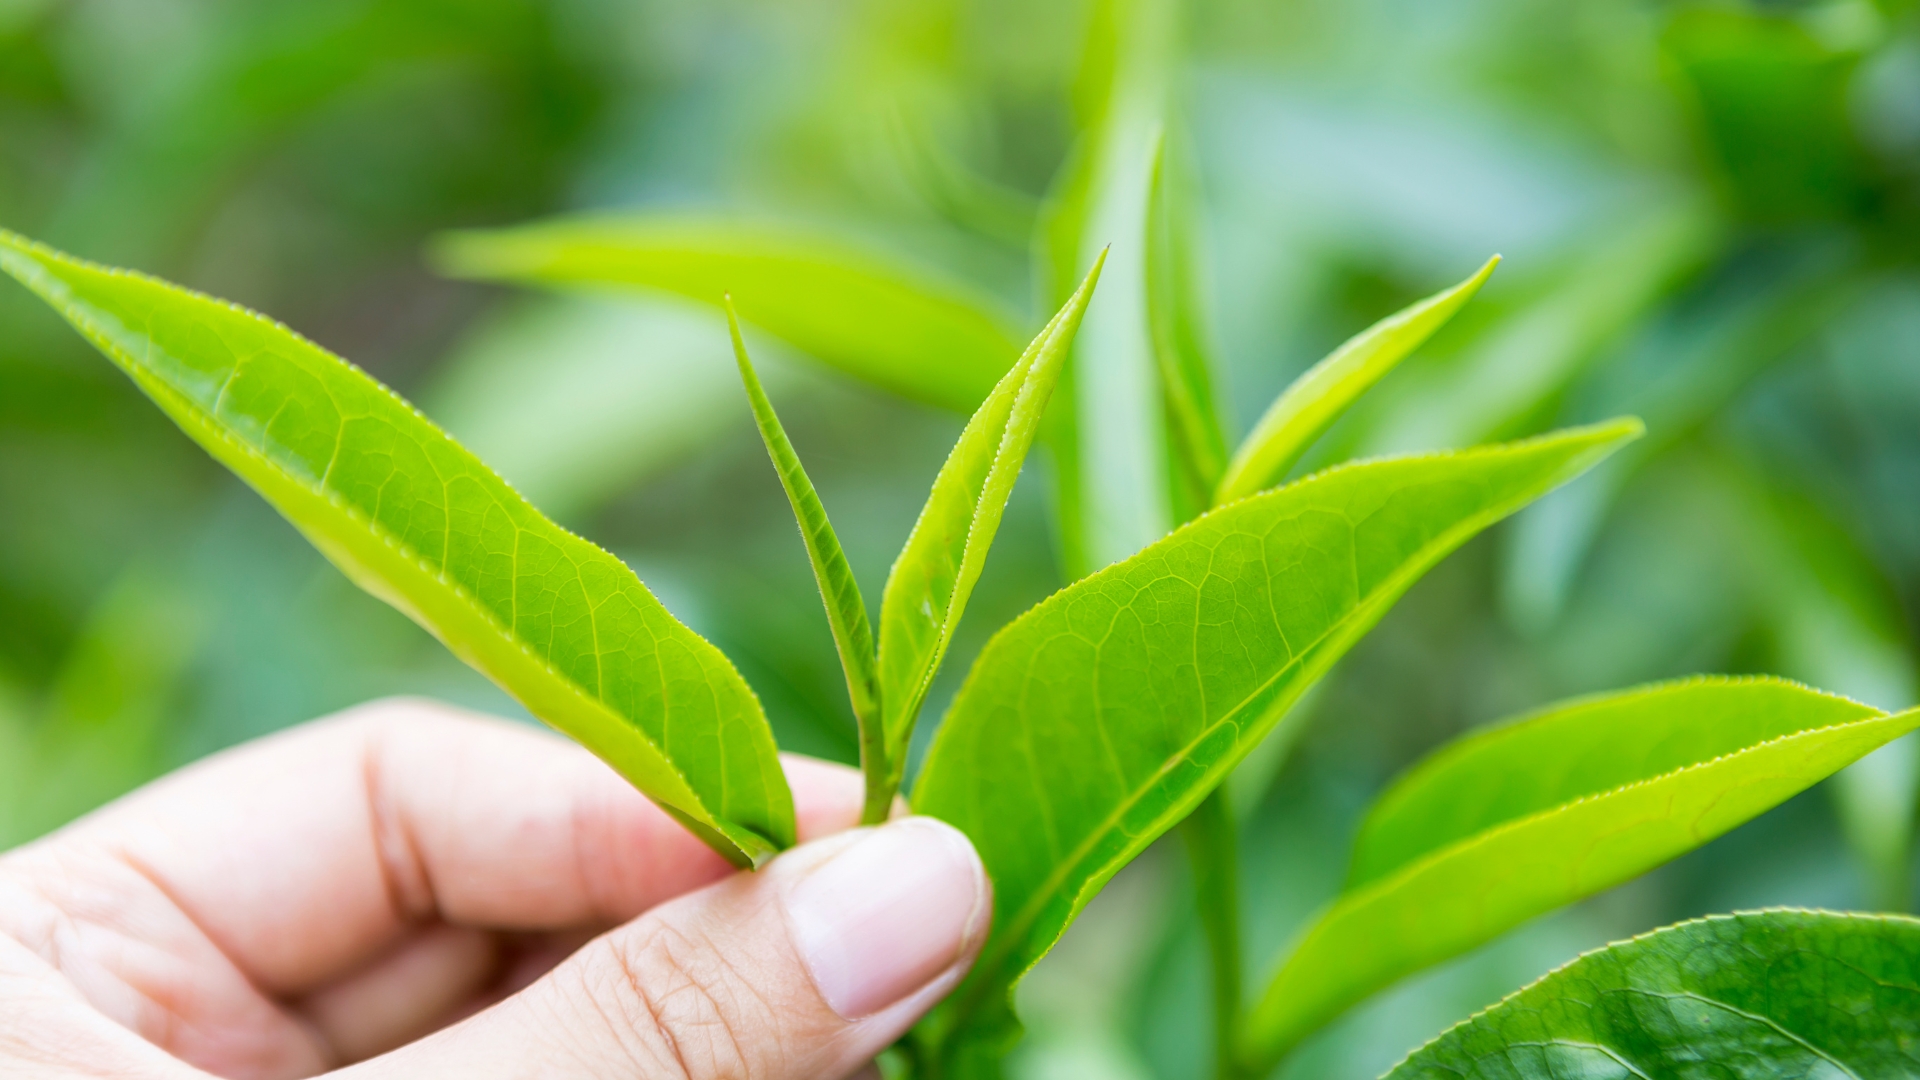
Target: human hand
405	890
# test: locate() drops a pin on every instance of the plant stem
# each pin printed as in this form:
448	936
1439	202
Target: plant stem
1213	844
879	774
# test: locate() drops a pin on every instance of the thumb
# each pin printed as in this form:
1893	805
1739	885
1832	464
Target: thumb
803	971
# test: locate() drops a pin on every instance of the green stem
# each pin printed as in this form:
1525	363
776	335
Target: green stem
1213	844
879	774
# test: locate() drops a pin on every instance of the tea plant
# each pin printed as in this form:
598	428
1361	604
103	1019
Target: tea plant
1104	716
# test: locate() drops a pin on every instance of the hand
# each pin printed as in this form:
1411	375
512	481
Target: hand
430	893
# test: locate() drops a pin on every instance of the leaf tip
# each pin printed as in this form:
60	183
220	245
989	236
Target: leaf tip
1622	429
739	341
458	254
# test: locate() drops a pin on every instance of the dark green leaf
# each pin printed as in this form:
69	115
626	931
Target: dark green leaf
1751	996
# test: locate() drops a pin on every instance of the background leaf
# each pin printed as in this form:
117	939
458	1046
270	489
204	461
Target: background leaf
574	399
1196	441
1094	722
1527	816
421	523
1115	473
892	326
1757	994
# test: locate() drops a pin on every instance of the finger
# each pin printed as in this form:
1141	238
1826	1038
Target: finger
307	855
405	994
804	971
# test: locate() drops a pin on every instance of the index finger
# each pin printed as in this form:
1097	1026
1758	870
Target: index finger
305	854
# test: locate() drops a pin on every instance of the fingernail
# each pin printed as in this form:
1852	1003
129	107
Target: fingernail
888	913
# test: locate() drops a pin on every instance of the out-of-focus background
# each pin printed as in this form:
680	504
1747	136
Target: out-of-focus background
1710	214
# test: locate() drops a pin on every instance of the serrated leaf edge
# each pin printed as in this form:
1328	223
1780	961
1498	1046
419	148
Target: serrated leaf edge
90	329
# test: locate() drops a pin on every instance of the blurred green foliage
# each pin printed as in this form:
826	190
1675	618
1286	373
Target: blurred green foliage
1710	214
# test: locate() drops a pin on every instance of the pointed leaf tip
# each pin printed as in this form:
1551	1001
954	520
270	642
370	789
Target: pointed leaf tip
1522	817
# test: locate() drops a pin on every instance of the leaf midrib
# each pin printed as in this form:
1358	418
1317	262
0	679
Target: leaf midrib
1870	918
1348	902
1420	776
1492	832
1030	912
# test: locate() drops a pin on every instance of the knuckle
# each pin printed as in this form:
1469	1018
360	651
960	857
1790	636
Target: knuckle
680	1010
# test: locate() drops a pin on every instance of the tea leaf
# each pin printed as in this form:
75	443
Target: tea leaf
846	611
1524	817
1196	442
893	326
1758	994
1316	399
927	589
415	519
1110	446
1097	720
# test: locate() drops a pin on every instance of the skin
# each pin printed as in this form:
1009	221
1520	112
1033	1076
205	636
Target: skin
406	890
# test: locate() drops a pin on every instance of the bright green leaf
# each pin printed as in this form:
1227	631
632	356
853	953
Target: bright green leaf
1524	817
846	611
1316	399
894	326
1760	994
1100	718
415	519
928	587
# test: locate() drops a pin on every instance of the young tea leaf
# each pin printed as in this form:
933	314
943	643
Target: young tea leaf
928	587
846	611
415	519
1775	993
893	326
1316	399
1527	816
1094	722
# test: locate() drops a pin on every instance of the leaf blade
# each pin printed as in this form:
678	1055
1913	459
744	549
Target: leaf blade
894	326
928	587
1008	766
1522	819
1316	399
1780	992
312	434
839	592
